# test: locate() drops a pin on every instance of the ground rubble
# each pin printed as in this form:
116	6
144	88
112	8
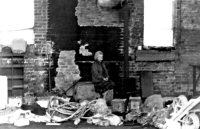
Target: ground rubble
156	111
57	110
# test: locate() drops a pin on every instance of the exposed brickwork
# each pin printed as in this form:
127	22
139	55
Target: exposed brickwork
187	30
150	55
41	20
36	67
89	14
67	72
136	22
36	57
190	15
163	75
163	72
164	83
188	46
169	77
151	66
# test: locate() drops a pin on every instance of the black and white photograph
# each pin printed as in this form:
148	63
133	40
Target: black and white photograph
91	64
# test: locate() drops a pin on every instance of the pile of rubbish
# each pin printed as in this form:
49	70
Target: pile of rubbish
163	113
55	110
61	110
179	113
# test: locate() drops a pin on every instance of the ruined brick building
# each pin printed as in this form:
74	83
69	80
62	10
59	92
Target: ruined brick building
65	25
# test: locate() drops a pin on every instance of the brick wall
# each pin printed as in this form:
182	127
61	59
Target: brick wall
163	70
169	77
41	20
136	23
89	14
187	29
37	55
188	46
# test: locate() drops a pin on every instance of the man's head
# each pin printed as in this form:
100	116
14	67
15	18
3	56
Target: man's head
98	56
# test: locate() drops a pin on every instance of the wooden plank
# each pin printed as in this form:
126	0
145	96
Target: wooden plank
148	55
146	83
11	55
18	86
15	77
12	66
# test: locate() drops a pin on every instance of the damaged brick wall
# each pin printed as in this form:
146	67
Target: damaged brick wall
188	45
187	50
103	30
89	14
161	63
136	23
175	78
37	55
67	72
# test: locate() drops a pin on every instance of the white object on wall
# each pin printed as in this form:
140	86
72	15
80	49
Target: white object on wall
109	3
3	92
18	46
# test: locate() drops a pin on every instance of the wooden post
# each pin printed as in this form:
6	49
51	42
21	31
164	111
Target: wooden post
194	80
126	40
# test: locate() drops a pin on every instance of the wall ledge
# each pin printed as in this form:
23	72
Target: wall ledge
152	55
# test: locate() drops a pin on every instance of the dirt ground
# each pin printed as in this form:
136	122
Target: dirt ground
70	125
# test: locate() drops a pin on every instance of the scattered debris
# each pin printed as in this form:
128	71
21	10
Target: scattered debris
180	113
